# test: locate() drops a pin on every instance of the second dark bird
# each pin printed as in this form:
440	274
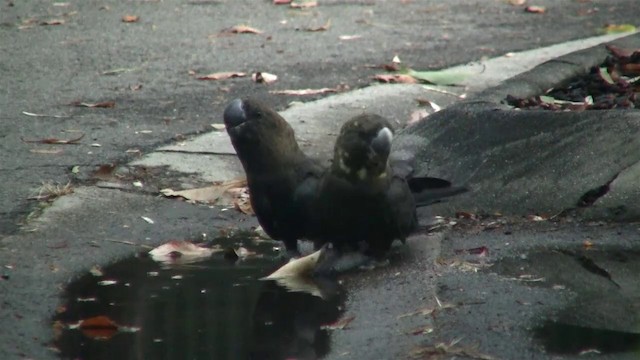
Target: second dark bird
361	202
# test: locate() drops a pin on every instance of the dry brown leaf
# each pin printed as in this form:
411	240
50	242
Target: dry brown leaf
221	193
52	22
103	104
54	141
130	18
303	92
395	78
303	4
535	9
98	327
264	77
104	172
281	2
517	2
300	267
324	27
222	75
181	252
242	29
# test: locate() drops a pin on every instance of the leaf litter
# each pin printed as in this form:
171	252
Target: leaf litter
54	141
182	252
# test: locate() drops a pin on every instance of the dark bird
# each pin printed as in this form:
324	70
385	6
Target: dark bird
282	180
360	200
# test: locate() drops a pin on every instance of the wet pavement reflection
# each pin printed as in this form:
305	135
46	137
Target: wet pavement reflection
216	309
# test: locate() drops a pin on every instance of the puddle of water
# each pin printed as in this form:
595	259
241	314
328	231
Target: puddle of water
209	310
562	338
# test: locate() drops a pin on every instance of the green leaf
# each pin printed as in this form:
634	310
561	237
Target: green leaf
616	29
452	76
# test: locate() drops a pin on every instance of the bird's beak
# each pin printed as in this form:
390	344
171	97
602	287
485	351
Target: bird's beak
234	114
381	144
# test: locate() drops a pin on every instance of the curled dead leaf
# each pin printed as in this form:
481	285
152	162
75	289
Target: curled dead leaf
54	141
264	77
395	78
98	327
535	9
242	29
130	18
222	75
181	252
52	22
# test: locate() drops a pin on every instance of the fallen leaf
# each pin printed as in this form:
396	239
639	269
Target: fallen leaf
104	104
221	193
304	92
324	27
181	252
55	141
264	77
533	9
52	22
339	325
43	115
349	37
441	77
218	127
130	18
242	29
587	244
135	87
282	2
303	4
147	219
395	78
46	151
621	28
517	2
222	75
98	327
303	266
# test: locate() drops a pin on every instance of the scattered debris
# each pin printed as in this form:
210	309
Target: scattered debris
450	350
44	115
147	219
55	141
533	9
50	192
242	29
222	75
130	18
349	37
104	104
263	77
339	325
181	252
302	4
304	92
395	78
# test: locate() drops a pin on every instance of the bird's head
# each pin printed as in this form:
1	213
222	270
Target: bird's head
257	132
363	146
